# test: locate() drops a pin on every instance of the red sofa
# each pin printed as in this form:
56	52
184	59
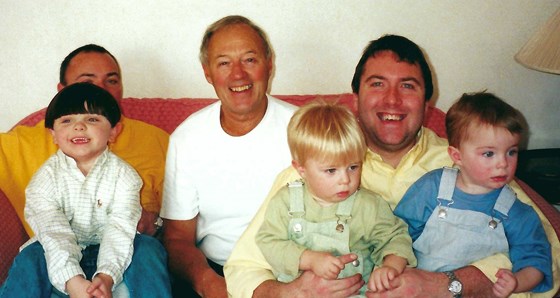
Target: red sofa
167	114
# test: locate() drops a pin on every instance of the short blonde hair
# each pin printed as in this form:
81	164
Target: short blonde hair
325	130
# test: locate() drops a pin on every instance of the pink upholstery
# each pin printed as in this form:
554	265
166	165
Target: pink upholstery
12	236
168	114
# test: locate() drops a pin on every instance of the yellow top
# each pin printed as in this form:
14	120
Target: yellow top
25	148
247	267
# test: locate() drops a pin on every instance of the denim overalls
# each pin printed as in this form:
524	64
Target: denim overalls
454	238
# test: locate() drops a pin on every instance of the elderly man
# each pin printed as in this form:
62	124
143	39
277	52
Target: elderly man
392	84
223	159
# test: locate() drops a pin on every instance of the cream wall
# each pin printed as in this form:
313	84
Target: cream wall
318	43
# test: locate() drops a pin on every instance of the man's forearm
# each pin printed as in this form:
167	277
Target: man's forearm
188	263
272	288
475	283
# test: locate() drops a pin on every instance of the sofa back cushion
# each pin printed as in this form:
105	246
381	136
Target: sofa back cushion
168	113
12	235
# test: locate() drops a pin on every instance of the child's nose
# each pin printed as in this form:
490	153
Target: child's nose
79	126
502	162
344	178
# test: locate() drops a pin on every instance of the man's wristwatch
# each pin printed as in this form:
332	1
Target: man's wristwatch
455	286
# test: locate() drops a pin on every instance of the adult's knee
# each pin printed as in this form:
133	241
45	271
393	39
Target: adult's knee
31	255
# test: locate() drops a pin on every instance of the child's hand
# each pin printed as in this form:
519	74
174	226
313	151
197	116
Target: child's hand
380	277
101	286
323	264
505	284
77	287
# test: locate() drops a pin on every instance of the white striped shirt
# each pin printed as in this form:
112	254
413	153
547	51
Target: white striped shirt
69	211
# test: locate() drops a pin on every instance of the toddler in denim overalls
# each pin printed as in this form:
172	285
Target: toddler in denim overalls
457	216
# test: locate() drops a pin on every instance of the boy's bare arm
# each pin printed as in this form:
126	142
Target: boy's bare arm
396	262
527	279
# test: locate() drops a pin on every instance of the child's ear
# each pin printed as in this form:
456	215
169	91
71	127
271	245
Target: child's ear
115	131
455	155
299	168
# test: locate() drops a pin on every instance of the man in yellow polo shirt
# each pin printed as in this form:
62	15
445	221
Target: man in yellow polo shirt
392	84
24	149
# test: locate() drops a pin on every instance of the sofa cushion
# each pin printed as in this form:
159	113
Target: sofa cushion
168	113
12	235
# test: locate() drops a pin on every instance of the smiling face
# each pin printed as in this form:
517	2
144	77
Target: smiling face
96	68
487	158
83	137
239	70
391	103
330	183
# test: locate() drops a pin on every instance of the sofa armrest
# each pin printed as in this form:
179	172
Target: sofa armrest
551	213
12	233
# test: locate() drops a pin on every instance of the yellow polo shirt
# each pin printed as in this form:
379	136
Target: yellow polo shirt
25	148
247	268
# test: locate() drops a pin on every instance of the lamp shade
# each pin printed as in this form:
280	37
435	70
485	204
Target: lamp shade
542	51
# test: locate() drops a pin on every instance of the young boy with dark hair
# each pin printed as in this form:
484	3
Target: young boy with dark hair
459	215
83	203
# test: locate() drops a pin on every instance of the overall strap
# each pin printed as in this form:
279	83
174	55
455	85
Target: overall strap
297	208
505	200
447	183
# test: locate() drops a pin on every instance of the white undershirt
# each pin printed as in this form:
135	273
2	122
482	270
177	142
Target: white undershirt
222	178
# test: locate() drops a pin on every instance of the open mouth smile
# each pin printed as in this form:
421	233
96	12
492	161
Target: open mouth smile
241	88
391	117
80	140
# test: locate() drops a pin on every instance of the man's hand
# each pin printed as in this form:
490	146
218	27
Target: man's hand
101	286
77	287
310	285
146	223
